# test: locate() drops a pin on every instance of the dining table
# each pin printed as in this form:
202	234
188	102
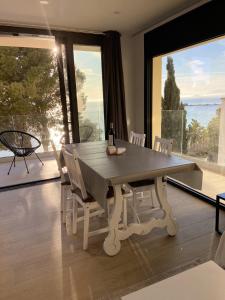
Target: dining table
101	171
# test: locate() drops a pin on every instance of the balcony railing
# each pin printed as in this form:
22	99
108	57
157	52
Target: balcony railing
191	139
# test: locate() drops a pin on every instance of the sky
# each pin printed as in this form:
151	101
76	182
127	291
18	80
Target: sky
89	62
200	70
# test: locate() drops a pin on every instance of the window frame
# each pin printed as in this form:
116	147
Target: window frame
184	31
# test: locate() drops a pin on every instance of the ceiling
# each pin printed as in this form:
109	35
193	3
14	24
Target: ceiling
126	16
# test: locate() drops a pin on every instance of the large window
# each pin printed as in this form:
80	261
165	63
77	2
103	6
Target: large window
188	95
88	71
30	102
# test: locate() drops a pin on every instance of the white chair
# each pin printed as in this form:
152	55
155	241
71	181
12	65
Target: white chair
137	138
65	181
140	187
163	145
81	198
220	253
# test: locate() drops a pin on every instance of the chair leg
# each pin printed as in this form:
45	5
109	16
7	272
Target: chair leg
135	206
62	198
75	211
25	164
13	161
39	159
217	215
86	227
63	203
125	212
152	199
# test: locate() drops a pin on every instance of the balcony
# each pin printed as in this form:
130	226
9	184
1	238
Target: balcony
203	145
42	127
45	129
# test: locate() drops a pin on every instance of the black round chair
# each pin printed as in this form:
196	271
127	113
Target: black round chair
22	144
85	133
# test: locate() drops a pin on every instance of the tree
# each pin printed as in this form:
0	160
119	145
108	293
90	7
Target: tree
197	139
213	137
203	141
29	89
174	120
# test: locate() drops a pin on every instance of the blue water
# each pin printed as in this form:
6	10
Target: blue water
95	113
201	109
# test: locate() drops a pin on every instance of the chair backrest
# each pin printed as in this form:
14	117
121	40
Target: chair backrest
85	133
19	139
220	252
74	171
137	138
57	157
163	145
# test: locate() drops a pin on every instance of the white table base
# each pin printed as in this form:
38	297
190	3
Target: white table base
112	242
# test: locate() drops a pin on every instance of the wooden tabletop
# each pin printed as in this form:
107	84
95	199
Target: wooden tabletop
101	170
136	163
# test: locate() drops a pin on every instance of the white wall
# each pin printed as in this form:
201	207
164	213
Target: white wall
133	68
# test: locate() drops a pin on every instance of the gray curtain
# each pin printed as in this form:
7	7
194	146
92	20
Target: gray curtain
113	85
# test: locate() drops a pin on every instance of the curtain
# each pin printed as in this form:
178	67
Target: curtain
113	85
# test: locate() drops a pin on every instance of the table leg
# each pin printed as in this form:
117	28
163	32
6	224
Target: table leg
217	214
112	243
161	193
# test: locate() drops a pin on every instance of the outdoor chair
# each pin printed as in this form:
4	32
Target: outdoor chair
85	133
21	144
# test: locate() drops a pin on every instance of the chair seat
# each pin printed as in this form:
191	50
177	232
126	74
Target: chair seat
141	183
89	199
221	196
65	180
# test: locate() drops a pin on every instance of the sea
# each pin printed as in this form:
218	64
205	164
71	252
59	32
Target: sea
202	109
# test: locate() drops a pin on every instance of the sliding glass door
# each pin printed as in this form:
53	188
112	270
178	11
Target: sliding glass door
82	90
189	106
30	102
88	71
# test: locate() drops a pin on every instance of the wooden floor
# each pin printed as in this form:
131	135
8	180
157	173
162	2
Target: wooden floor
40	260
213	183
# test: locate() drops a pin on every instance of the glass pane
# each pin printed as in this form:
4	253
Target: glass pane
192	108
88	70
30	102
63	49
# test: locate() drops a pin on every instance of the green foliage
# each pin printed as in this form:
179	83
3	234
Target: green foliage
174	115
171	99
197	136
213	137
29	89
203	142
